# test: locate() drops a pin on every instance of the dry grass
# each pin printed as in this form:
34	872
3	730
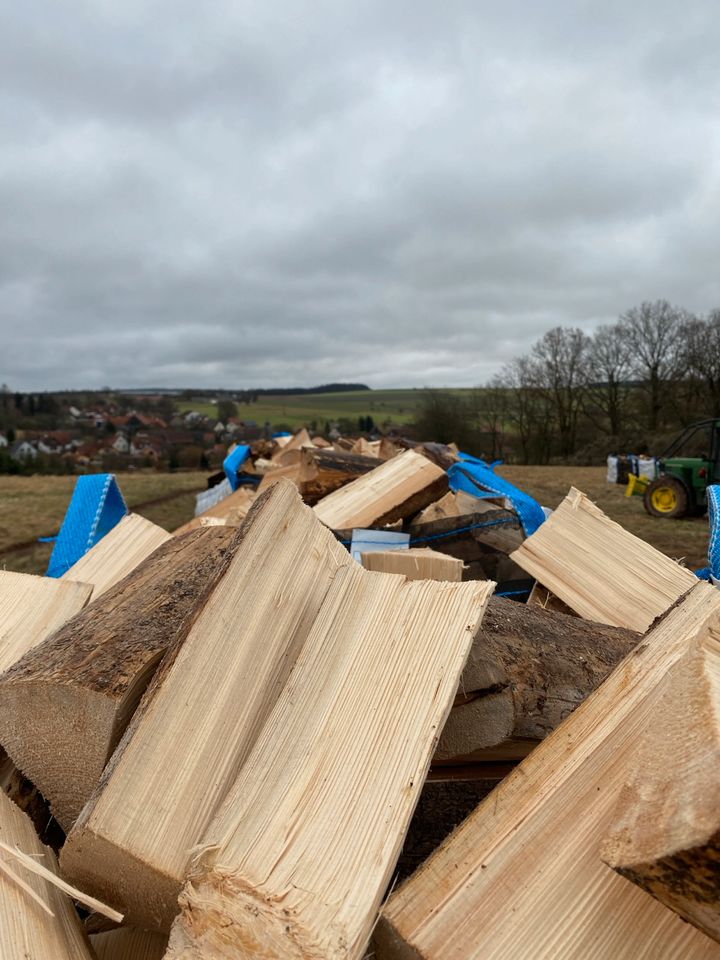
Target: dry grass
32	507
685	540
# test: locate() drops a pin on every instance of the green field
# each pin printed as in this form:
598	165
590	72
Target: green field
386	407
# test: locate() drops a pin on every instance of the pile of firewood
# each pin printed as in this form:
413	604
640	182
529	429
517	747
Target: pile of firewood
213	742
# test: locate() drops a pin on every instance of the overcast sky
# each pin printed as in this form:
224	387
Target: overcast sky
405	193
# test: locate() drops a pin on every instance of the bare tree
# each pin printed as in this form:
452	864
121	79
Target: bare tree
655	334
489	409
528	411
702	350
559	363
608	371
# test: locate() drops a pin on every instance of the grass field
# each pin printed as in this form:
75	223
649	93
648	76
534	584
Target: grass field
685	540
298	410
31	507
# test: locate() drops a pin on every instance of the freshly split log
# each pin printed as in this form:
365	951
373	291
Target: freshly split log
232	510
366	448
31	608
324	471
440	453
599	569
387	449
27	931
527	671
129	943
342	444
296	442
665	834
394	490
418	563
291	473
459	503
299	857
118	553
65	704
289	456
523	877
201	715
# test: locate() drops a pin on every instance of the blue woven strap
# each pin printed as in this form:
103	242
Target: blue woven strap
473	476
95	508
233	461
713	567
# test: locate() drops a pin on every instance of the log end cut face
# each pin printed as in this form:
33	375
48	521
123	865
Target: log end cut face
55	751
222	919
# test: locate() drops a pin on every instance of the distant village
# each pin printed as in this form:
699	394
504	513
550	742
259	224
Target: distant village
122	434
90	431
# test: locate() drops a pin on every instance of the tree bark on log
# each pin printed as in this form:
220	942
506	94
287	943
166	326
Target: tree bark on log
527	671
523	875
323	471
66	703
204	709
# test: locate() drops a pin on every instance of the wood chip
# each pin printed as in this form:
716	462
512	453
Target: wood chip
417	563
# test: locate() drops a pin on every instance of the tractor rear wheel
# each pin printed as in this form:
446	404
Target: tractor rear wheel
666	497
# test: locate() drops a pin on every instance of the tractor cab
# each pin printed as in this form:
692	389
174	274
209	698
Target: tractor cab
688	466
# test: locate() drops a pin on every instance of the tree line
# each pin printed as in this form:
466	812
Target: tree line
573	397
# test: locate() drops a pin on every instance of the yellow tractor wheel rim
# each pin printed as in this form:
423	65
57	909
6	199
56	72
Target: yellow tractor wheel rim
664	499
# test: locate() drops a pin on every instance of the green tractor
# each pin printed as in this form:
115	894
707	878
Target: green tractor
686	469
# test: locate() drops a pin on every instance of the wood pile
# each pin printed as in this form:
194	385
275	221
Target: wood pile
212	744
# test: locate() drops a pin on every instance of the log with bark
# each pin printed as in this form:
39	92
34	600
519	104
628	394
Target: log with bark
527	671
65	704
324	471
523	875
201	715
481	540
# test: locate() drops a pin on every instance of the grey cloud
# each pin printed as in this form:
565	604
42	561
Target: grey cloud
404	193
